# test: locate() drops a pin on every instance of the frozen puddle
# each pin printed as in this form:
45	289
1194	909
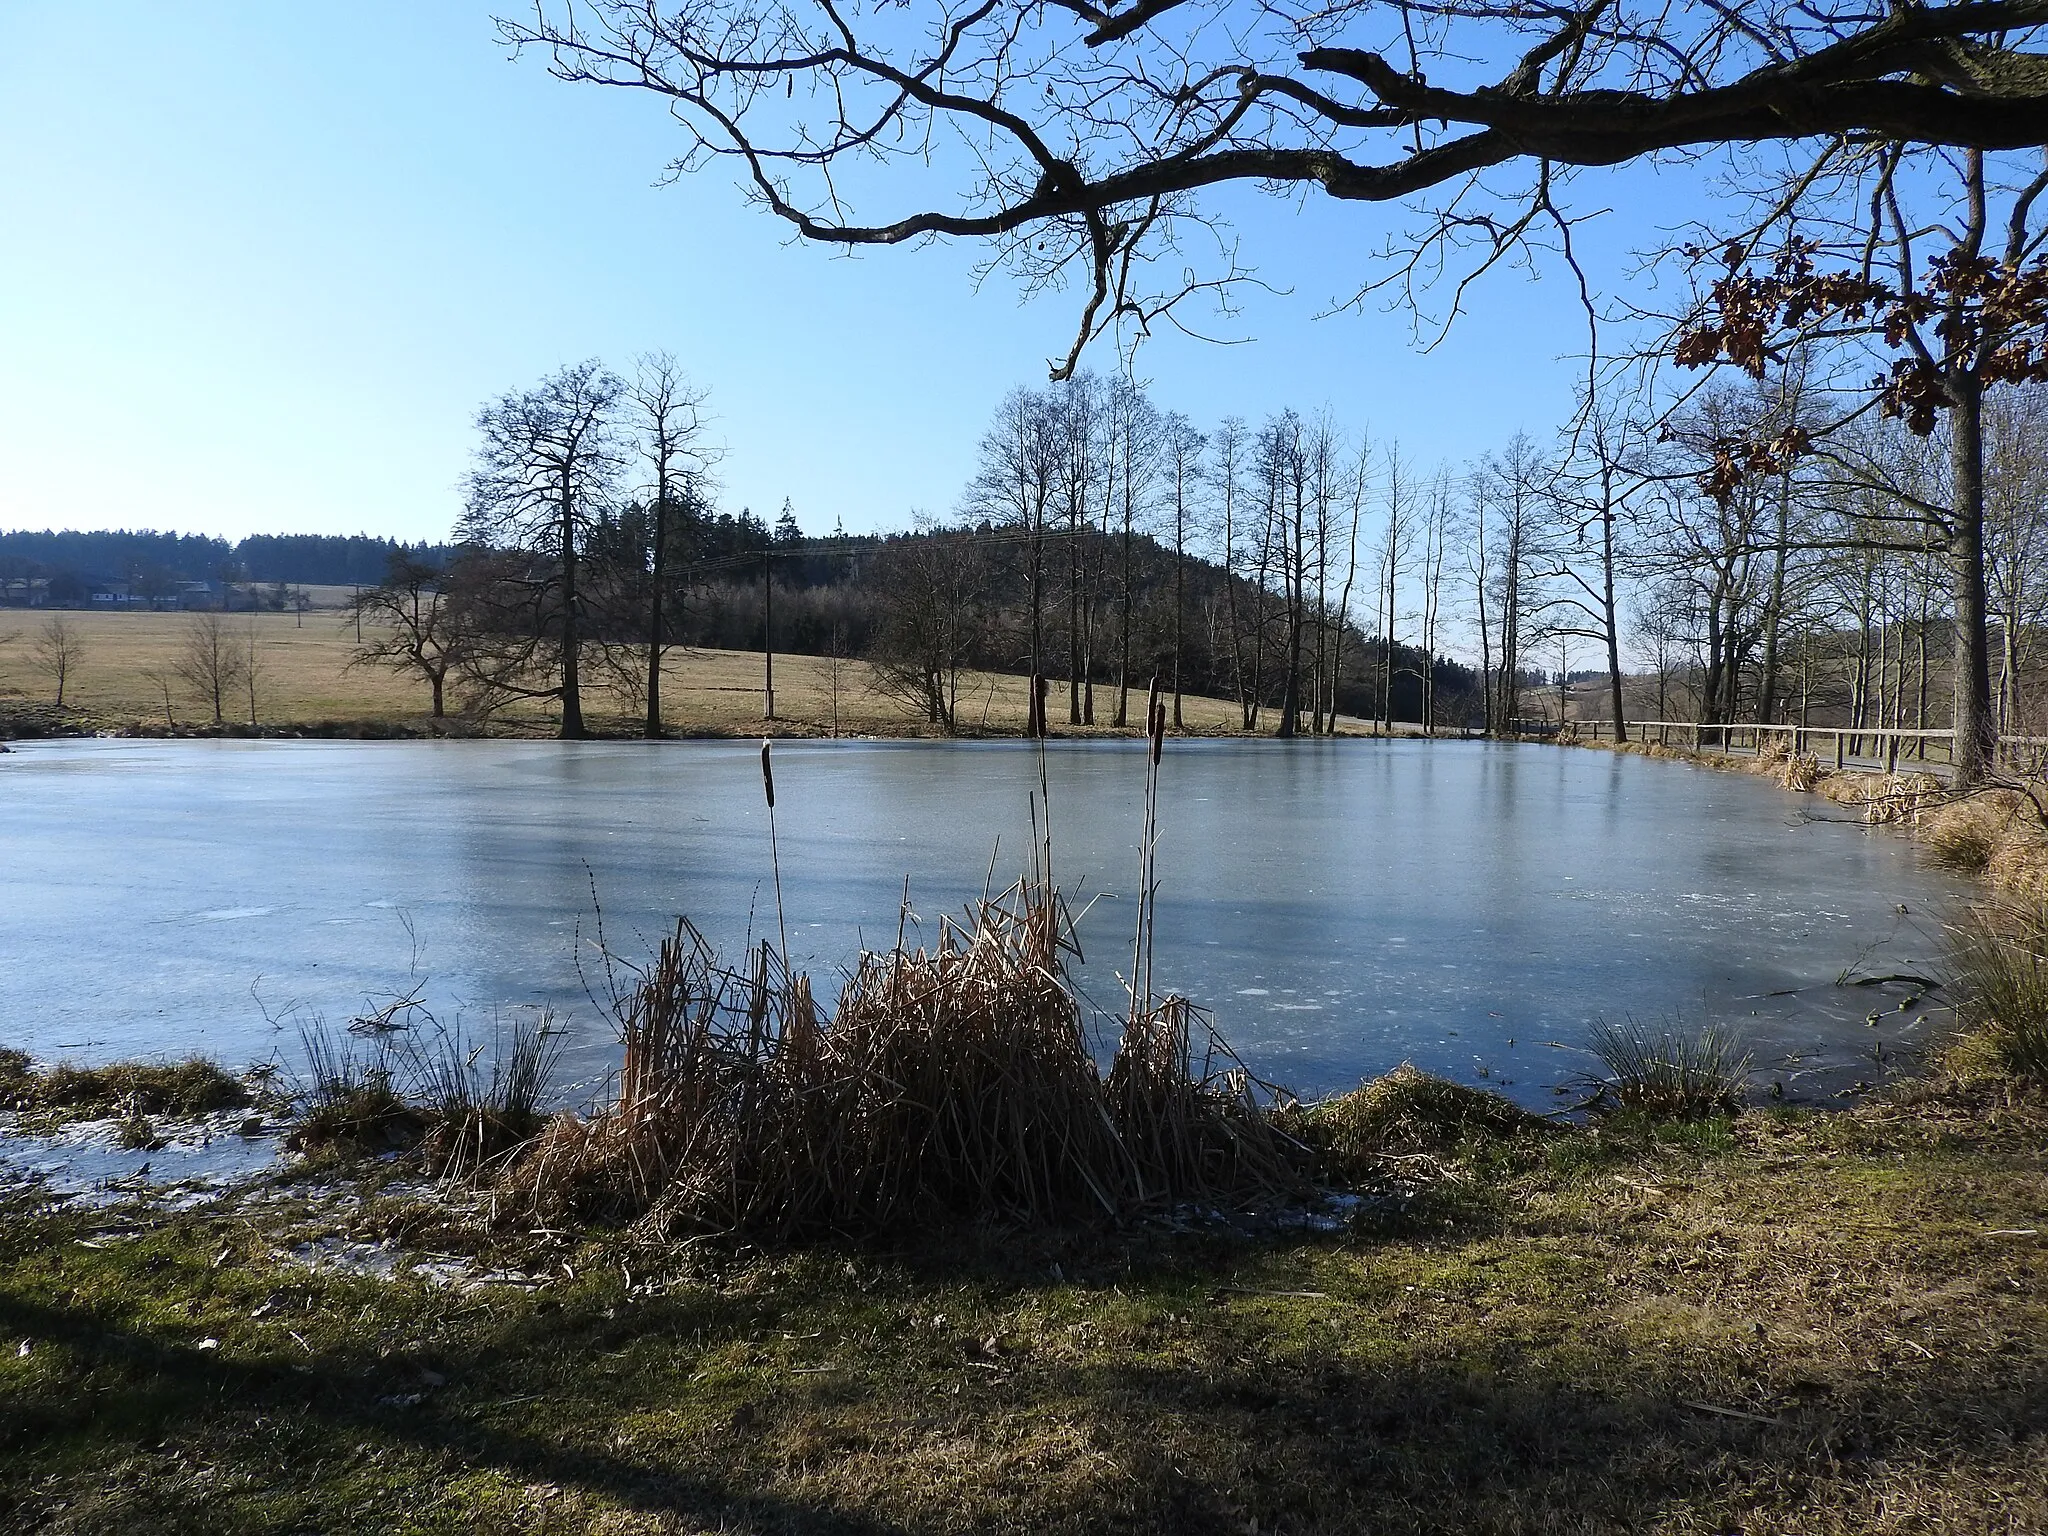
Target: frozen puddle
358	1259
86	1160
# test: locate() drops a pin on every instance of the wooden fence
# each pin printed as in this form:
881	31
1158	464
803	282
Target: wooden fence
1849	746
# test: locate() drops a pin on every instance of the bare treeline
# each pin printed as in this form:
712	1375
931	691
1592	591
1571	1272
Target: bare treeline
1102	544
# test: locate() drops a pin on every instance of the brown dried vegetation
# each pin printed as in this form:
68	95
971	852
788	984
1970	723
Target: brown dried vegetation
955	1082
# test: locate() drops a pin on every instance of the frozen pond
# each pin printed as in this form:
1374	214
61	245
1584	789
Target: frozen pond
1341	907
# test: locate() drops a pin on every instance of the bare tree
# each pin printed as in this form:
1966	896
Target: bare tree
1397	535
1438	529
1017	477
933	587
209	662
1586	553
1284	471
1356	483
668	413
1514	484
413	624
1182	447
544	470
1230	457
59	649
252	666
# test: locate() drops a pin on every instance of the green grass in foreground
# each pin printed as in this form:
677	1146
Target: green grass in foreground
1781	1323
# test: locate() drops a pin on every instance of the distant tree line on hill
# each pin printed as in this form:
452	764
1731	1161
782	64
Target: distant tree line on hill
69	563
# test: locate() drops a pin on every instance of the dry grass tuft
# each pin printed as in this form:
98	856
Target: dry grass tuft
1964	836
422	1090
472	1119
954	1082
1801	771
1998	958
194	1086
347	1103
1671	1073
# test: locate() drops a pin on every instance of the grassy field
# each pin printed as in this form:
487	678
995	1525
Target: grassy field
1789	1322
304	680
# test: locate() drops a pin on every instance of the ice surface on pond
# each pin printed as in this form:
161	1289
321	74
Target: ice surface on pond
1341	907
91	1160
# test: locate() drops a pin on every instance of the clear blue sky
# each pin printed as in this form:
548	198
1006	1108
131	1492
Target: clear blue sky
259	264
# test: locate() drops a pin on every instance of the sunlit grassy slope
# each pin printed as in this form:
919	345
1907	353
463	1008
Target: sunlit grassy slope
304	678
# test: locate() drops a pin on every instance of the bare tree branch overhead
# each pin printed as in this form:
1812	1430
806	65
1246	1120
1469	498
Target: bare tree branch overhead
1075	136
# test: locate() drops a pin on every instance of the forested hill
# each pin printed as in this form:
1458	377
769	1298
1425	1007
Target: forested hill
123	554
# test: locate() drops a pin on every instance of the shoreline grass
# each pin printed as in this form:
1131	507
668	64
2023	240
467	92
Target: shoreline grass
189	1087
1770	1320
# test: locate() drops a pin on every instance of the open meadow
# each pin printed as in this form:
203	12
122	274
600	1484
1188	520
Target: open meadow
125	680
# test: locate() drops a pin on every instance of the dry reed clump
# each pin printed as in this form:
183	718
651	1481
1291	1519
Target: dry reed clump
951	1082
1901	797
1800	771
1998	962
1388	1125
1773	752
1966	835
1997	833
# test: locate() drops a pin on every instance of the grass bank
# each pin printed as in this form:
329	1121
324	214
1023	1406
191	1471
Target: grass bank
1776	1322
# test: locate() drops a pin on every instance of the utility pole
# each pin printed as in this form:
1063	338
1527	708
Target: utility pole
767	640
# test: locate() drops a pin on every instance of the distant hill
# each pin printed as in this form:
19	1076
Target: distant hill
124	554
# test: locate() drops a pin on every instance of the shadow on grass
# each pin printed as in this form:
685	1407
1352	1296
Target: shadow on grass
138	1393
1221	1429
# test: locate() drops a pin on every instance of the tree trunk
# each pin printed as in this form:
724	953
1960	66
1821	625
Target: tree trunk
1485	636
572	691
1297	581
1710	687
1767	693
767	637
1034	725
1074	618
1179	602
1611	616
654	617
1123	639
1976	742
